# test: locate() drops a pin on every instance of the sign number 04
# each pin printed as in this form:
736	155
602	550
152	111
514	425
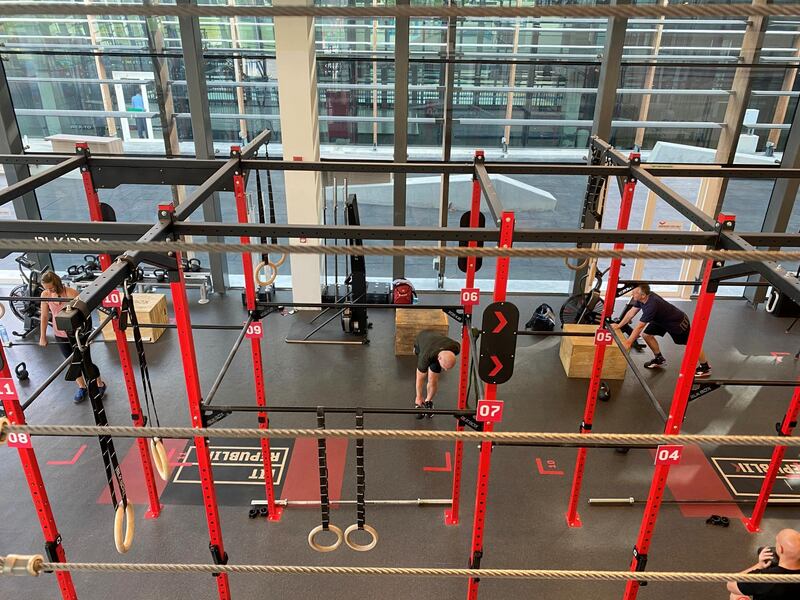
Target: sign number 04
669	455
490	411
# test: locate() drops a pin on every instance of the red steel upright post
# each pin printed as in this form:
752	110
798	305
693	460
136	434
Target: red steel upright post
451	514
96	214
52	539
490	393
274	512
194	396
677	412
785	428
573	518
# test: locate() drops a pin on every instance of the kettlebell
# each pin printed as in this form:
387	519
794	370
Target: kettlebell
160	275
604	393
21	371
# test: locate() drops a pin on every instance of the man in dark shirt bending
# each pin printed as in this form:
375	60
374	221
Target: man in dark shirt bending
659	317
787	548
435	352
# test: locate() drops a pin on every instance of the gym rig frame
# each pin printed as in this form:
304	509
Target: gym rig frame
604	164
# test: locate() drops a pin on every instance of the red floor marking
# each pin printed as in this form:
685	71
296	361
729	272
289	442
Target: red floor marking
69	462
302	478
179	462
550	470
445	469
696	479
778	356
131	467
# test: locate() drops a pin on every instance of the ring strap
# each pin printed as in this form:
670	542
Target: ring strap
322	454
361	505
129	311
107	449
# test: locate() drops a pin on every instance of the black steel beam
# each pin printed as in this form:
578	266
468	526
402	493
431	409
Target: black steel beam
489	193
30	184
71	230
73	315
635	370
83	230
752	382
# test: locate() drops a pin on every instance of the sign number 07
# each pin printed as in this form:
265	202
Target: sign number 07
489	411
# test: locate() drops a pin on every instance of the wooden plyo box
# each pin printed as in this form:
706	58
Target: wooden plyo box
577	355
150	308
409	322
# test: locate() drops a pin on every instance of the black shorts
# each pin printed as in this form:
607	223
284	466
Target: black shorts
679	337
64	347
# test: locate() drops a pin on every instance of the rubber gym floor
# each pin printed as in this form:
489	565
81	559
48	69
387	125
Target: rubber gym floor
529	487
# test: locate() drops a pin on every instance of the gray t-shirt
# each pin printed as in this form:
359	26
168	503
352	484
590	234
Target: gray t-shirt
429	344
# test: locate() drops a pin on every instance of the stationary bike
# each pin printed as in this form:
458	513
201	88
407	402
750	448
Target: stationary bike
26	310
587	308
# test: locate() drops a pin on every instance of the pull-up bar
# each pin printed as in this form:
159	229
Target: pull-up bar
348	410
745	382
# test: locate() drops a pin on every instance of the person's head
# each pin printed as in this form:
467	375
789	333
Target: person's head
52	283
641	292
787	544
447	359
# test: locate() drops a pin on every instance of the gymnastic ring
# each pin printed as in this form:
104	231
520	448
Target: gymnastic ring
4	423
159	454
281	260
257	273
320	548
2	310
578	267
123	513
361	547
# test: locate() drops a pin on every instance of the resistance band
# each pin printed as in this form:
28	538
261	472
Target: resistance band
123	510
361	504
324	500
128	315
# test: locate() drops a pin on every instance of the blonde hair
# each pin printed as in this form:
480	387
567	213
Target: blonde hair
53	278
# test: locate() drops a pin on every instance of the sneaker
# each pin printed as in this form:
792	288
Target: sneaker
419	415
102	389
702	371
656	363
429	405
80	396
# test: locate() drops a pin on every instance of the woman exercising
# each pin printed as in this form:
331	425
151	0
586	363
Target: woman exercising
435	352
55	288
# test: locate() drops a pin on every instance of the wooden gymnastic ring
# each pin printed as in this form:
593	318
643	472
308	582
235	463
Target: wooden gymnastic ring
320	548
4	423
361	547
160	460
257	273
578	267
281	260
123	513
2	310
